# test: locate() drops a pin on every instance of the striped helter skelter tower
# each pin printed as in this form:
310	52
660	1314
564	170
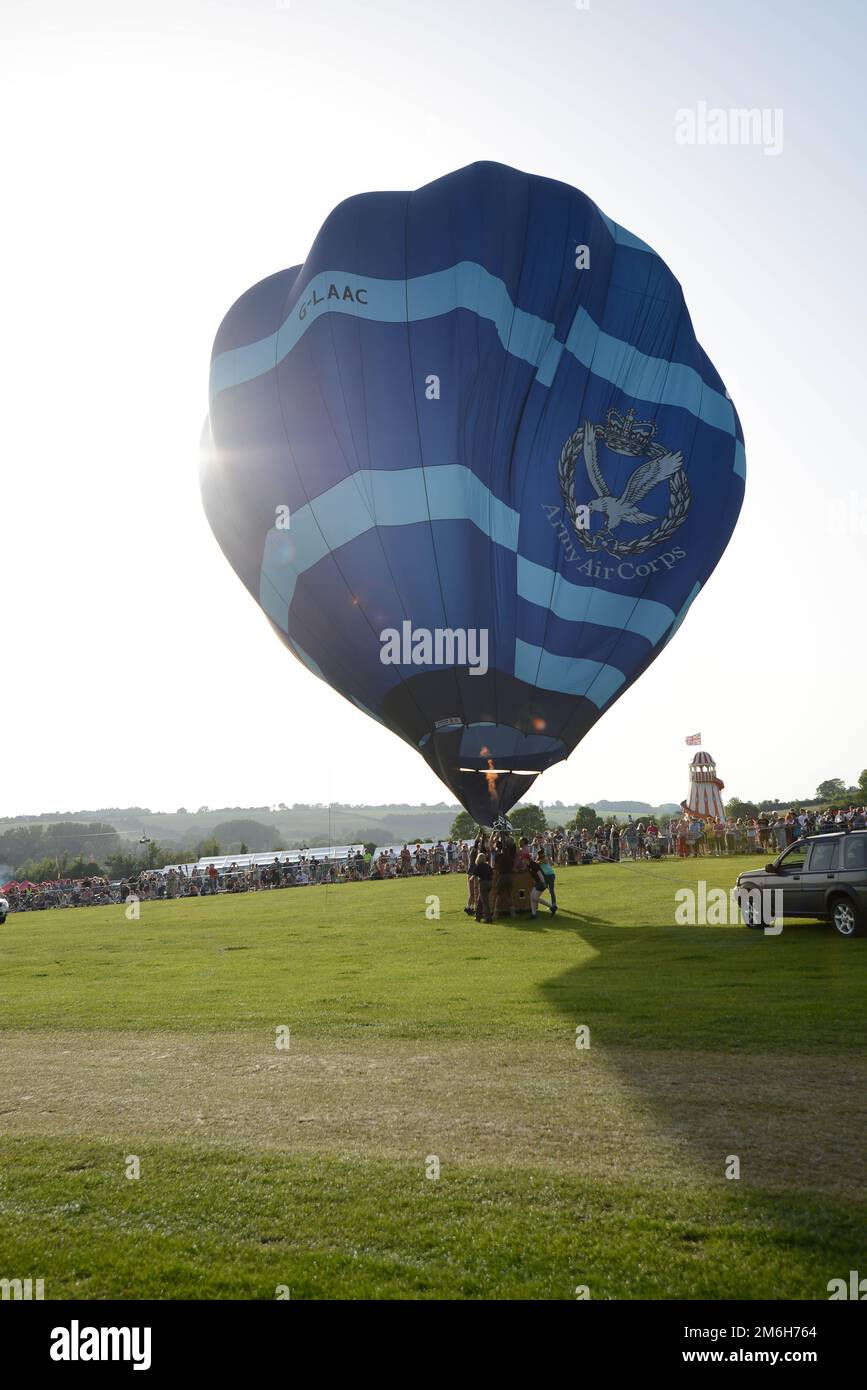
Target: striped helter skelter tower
705	788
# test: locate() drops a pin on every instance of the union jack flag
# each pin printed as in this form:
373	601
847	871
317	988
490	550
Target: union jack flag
694	740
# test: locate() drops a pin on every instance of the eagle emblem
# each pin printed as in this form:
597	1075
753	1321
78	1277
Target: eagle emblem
626	436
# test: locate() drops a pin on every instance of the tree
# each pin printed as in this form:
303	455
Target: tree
834	789
208	848
585	818
463	827
83	868
528	820
252	832
364	833
39	871
738	809
158	856
123	864
40	842
862	786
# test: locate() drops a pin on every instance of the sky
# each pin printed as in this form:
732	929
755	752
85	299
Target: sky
161	157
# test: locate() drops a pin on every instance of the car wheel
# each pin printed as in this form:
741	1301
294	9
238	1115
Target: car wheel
752	912
845	918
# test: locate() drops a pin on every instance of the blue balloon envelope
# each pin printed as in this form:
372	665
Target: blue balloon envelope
473	464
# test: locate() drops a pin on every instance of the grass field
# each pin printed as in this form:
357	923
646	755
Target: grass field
414	1038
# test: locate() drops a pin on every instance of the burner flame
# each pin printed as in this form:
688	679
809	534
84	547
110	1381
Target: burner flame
491	779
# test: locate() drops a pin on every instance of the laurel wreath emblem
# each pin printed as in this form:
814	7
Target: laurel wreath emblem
679	498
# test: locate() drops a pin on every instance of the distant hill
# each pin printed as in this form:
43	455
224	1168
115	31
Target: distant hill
270	827
633	808
262	827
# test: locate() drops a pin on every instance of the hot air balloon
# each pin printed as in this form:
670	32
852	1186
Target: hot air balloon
474	466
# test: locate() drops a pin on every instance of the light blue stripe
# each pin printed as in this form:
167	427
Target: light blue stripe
470	286
369	498
315	668
401	498
653	379
567	674
465	285
378	717
740	463
696	590
307	659
624	238
580	603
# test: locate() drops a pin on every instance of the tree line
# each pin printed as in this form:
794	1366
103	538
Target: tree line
532	820
77	849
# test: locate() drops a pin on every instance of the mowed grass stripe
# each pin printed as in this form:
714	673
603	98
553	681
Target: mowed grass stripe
365	960
661	1118
205	1224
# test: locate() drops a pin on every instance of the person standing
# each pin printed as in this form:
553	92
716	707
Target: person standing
683	837
522	856
539	885
614	841
472	881
696	835
631	834
549	875
483	875
504	859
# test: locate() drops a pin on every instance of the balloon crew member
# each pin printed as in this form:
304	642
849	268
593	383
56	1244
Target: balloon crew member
483	875
547	870
472	881
504	859
539	886
522	856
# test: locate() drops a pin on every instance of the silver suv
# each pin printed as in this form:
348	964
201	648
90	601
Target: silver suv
822	876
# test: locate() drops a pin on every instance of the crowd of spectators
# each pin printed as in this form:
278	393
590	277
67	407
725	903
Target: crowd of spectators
60	892
178	881
684	835
767	833
247	878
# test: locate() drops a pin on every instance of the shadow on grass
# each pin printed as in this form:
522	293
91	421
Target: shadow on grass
715	988
782	1026
564	919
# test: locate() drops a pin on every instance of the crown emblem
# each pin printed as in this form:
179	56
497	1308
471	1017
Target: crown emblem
626	435
654	464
